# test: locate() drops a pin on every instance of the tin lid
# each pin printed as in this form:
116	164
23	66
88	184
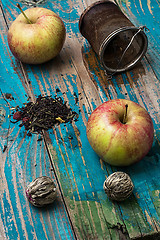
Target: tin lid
123	49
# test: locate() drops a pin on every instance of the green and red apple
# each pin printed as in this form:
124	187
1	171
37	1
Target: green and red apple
36	36
120	131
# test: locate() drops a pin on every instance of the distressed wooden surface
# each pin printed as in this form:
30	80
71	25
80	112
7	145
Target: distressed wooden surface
82	210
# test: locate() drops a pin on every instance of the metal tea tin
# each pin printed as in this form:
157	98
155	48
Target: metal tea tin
117	42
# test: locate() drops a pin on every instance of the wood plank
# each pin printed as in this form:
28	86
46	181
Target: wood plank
24	159
146	14
77	73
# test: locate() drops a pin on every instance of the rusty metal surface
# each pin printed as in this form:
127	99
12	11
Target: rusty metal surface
110	32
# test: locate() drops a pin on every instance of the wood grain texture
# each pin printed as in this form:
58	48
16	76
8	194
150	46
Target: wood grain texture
77	76
24	159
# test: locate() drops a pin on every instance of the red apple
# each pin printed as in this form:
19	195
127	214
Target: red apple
120	135
36	36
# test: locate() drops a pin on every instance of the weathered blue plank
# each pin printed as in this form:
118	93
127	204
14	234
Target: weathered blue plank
24	159
147	14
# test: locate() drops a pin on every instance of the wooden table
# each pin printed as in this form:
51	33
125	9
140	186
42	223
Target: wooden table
82	209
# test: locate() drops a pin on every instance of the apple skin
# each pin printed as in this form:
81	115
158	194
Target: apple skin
40	41
117	143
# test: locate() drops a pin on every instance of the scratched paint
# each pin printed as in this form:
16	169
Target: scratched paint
147	15
125	93
24	159
2	115
106	219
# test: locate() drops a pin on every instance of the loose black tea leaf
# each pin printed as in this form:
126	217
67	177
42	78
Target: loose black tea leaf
4	148
44	113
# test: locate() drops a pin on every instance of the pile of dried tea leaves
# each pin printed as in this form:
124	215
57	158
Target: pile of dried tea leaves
44	114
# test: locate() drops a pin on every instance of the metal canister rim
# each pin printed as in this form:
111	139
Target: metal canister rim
110	37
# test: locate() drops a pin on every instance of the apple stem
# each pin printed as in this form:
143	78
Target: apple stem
23	13
125	115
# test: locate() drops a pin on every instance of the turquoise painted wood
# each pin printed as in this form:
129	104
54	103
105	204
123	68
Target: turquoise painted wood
24	159
82	210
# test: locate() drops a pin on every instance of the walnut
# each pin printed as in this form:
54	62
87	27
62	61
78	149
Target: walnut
118	186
